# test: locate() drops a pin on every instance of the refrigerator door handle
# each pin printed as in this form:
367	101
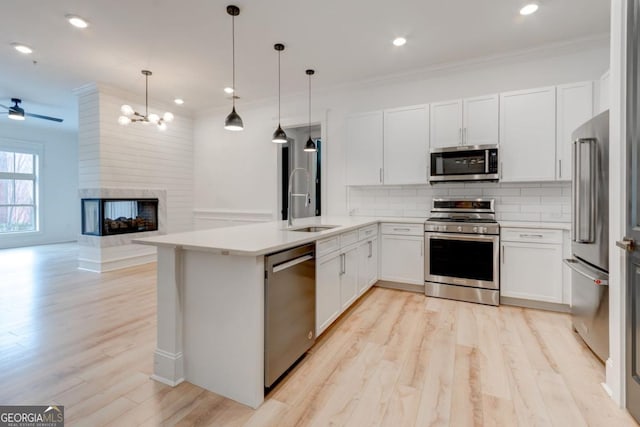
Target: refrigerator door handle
586	189
575	195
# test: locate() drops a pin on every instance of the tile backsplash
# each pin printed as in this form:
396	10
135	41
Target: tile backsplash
539	202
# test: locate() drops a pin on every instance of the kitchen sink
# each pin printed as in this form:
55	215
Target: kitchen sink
313	228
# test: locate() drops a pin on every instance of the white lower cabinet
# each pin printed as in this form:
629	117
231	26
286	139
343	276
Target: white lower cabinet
348	277
531	265
327	290
402	253
367	265
345	273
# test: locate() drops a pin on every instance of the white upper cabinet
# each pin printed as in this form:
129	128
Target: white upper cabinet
406	145
364	149
469	121
446	124
603	93
528	135
480	120
575	106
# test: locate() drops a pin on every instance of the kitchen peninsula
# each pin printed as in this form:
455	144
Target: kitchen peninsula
211	301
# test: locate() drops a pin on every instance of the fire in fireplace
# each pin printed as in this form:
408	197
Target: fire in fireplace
105	217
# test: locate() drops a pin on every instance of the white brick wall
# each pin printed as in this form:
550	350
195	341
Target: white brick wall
539	202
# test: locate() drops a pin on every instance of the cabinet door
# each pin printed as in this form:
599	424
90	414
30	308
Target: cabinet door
603	93
364	149
406	145
531	271
575	106
372	264
367	265
349	278
327	291
446	124
528	135
402	259
480	120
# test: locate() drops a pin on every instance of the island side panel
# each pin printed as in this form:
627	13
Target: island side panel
223	330
168	357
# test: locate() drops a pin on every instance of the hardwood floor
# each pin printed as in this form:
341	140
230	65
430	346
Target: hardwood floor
85	341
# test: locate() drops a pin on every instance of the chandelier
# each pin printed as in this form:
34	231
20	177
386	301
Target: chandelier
130	115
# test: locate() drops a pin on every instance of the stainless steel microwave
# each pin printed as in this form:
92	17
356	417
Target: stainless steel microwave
464	163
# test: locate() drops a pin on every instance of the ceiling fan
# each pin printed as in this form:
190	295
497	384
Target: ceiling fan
17	113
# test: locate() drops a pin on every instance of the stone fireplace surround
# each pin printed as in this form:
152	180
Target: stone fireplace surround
106	253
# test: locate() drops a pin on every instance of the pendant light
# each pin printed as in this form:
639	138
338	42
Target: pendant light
129	115
279	136
310	146
233	120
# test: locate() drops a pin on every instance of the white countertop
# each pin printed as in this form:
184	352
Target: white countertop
267	237
528	224
263	238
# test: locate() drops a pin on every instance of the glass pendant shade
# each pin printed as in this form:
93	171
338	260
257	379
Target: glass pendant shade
279	136
310	146
233	121
16	114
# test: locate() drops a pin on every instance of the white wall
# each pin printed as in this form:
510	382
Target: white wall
238	171
133	159
59	208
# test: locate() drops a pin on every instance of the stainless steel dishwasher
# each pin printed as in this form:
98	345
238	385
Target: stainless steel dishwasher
289	309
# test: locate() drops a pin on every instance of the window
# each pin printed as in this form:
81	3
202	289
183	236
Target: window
18	192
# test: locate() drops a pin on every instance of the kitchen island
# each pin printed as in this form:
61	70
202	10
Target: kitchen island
211	301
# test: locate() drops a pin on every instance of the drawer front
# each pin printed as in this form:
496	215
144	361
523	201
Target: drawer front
327	246
348	238
403	229
531	235
368	232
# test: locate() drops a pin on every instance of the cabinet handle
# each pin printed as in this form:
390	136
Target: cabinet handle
530	236
401	229
370	249
380	175
500	170
464	137
559	168
342	264
421	251
502	254
460	136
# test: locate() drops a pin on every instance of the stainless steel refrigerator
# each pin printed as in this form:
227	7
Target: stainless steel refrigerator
590	234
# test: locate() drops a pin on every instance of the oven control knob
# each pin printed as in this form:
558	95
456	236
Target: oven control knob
475	229
485	229
459	228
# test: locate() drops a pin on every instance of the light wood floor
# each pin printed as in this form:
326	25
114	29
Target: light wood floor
85	341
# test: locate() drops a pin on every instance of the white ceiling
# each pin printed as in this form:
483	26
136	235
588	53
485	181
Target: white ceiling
187	44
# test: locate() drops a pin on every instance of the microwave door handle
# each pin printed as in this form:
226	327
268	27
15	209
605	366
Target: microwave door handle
486	161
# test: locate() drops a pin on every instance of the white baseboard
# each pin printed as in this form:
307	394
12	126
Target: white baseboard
115	264
168	368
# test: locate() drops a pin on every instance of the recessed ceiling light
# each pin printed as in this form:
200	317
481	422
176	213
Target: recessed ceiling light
399	41
77	21
228	90
22	48
179	101
528	9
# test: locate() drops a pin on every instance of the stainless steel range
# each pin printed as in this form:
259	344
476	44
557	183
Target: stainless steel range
462	251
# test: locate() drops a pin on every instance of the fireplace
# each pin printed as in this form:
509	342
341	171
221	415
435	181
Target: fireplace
106	217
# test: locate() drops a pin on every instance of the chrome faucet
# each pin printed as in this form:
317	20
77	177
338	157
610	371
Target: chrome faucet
292	195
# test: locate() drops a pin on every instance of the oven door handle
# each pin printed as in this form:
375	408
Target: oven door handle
466	237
